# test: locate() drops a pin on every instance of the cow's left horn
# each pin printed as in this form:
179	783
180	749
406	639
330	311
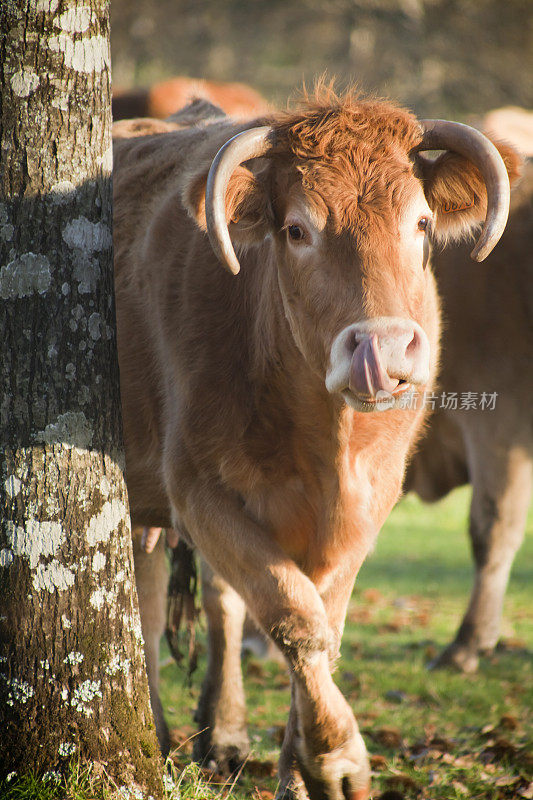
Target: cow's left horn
242	147
440	134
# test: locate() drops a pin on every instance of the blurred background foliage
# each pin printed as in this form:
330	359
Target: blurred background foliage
440	57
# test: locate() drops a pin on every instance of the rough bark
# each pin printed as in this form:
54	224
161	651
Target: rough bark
72	678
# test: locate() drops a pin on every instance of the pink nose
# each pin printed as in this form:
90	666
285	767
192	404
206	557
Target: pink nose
388	354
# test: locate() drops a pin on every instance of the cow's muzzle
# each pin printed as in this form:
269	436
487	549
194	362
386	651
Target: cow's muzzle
378	359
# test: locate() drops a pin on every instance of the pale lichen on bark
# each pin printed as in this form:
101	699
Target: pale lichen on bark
64	528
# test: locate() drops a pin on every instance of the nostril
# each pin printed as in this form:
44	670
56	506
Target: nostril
414	344
351	343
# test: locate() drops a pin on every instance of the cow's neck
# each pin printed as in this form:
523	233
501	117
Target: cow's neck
340	458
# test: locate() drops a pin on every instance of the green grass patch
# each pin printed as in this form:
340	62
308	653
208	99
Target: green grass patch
76	784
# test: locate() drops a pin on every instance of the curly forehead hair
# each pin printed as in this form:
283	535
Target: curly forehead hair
354	151
325	123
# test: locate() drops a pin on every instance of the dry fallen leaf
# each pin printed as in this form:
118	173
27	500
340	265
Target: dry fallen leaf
387	736
403	781
508	721
460	787
360	615
506	780
499	748
467	762
422	618
182	738
527	793
260	769
397	623
442	743
262	794
372	595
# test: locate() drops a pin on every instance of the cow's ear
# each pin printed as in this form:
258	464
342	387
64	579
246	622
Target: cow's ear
247	206
456	192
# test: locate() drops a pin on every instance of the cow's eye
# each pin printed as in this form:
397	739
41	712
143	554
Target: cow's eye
424	223
295	232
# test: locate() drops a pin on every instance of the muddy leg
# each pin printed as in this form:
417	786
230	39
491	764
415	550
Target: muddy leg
502	481
151	576
221	713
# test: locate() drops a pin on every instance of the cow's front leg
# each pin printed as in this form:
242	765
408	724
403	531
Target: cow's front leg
502	480
221	713
330	751
335	593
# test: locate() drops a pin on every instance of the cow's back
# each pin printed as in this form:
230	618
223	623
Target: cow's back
163	263
148	162
139	185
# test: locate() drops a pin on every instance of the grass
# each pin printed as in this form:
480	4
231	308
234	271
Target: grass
434	735
431	735
77	784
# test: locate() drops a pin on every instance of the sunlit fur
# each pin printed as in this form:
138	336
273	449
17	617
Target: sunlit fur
229	428
353	151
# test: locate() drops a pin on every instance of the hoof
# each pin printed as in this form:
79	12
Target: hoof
458	657
225	759
292	789
343	789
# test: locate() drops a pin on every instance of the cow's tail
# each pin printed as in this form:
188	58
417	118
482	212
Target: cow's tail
182	613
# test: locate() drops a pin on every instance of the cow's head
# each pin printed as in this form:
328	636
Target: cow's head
350	206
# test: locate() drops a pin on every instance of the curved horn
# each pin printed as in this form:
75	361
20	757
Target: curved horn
440	134
242	147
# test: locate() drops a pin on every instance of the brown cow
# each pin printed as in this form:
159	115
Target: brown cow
491	448
252	405
511	124
487	348
165	98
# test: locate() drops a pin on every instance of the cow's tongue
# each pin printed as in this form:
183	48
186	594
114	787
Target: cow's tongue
367	374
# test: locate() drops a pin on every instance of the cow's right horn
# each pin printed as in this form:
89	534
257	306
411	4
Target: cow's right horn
441	134
242	147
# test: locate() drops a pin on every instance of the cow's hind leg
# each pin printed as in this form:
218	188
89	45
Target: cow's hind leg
501	481
151	576
221	713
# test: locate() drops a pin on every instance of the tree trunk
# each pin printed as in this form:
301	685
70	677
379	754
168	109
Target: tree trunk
72	677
